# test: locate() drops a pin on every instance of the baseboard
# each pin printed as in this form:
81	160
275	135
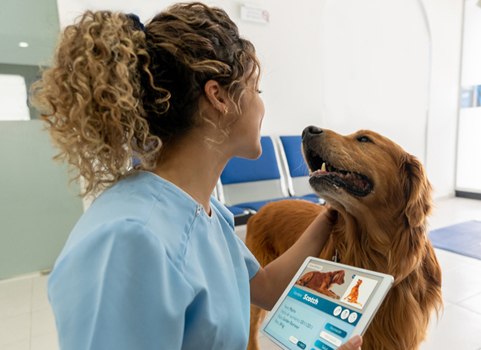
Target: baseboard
470	195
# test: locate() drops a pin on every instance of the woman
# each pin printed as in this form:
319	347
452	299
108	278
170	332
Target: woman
154	262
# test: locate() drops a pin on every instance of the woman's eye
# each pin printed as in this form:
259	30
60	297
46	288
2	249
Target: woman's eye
259	91
364	139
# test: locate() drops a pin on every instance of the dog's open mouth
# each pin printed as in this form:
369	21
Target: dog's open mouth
353	182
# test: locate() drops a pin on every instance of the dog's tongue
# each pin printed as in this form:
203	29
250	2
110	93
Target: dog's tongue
352	179
355	181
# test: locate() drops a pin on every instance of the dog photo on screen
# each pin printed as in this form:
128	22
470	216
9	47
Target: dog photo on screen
359	291
322	282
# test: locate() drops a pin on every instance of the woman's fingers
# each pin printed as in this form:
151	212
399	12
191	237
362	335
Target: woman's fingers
352	344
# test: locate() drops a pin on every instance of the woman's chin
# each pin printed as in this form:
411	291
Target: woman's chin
255	153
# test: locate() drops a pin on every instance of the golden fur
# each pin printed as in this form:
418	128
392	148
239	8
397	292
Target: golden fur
384	229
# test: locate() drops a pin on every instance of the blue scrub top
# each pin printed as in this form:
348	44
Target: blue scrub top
146	268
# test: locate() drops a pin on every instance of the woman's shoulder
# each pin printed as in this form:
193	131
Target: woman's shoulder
142	202
222	210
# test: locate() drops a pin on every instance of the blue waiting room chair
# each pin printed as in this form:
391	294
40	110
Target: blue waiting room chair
297	173
250	184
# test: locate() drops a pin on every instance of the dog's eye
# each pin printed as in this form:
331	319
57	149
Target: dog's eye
364	139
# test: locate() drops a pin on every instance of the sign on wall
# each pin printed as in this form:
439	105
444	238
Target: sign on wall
254	14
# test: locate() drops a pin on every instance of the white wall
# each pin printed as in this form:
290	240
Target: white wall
469	143
290	48
468	177
445	18
375	69
471	68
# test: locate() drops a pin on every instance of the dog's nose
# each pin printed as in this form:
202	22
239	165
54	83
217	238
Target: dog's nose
311	130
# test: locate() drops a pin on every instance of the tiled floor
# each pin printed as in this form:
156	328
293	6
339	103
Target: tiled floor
27	323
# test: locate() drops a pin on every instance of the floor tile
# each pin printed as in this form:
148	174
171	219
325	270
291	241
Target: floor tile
448	260
19	345
459	328
14	329
461	283
467	260
473	303
45	342
446	303
15	297
40	298
452	211
43	322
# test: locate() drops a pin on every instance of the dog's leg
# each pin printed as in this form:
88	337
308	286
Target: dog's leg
332	294
257	317
328	292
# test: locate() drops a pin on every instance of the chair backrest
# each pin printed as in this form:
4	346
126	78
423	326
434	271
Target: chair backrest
246	180
297	173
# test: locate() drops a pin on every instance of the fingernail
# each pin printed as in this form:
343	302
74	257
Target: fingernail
356	341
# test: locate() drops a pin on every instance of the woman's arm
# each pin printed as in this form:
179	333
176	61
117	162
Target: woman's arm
271	281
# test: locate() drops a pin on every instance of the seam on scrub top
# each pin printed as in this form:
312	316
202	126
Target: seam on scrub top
157	200
186	239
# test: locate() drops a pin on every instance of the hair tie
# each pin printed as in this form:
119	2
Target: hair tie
136	20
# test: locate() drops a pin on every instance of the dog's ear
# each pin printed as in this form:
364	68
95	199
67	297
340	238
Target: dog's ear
338	276
417	190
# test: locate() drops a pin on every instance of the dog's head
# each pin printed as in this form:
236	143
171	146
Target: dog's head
366	172
338	277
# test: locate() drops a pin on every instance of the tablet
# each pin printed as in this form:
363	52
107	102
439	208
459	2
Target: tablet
325	304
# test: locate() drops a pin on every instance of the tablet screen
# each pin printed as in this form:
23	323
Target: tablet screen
323	307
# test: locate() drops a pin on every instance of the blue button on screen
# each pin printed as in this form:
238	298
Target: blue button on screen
301	345
336	330
322	346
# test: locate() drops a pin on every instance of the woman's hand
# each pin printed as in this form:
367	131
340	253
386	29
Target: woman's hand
270	281
353	344
330	214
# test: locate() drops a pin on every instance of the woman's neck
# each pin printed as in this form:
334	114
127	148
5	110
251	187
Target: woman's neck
194	166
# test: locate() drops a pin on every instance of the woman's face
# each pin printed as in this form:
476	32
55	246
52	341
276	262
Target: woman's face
245	135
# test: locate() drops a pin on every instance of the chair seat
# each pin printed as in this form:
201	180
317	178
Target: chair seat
241	215
237	210
256	206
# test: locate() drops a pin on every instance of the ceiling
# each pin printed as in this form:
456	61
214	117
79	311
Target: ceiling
35	22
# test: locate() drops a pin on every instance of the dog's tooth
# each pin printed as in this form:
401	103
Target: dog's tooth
323	167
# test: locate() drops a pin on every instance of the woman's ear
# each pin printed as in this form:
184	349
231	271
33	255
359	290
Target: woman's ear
215	94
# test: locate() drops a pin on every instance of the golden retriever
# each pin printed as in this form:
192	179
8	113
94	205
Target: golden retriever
354	293
383	198
322	281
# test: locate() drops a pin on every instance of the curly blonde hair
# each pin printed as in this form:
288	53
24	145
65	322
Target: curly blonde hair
116	92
